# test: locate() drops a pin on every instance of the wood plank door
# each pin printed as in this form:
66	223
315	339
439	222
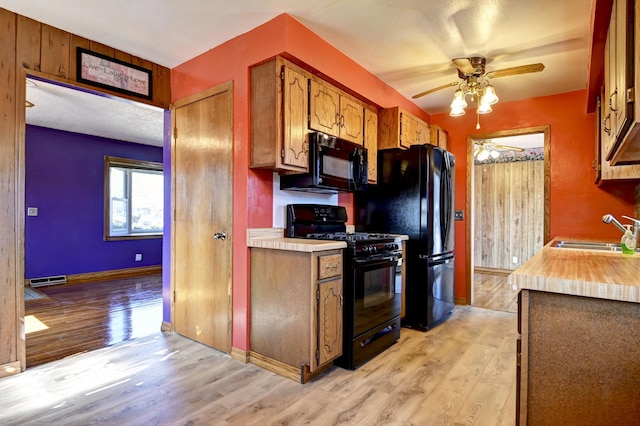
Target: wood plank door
202	217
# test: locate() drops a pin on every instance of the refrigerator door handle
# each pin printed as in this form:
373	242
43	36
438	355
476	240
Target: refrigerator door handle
446	200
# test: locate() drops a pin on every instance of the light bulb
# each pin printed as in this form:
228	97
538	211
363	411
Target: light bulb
459	101
456	112
484	108
494	154
489	96
483	155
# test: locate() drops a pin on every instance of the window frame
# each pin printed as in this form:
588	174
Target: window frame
125	163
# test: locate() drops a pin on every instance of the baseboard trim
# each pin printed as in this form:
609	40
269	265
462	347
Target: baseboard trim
492	271
240	355
109	275
9	369
166	327
460	301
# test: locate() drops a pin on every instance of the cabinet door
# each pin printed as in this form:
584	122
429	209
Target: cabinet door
371	143
624	67
329	320
408	130
439	137
423	134
609	81
295	149
351	120
324	109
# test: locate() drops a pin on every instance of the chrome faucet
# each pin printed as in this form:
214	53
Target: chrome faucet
608	218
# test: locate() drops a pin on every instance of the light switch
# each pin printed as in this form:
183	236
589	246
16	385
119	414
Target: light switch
32	211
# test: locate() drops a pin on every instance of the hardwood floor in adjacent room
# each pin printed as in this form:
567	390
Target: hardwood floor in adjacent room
492	291
462	371
75	318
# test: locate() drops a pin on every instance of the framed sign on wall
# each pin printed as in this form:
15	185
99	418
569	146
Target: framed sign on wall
110	73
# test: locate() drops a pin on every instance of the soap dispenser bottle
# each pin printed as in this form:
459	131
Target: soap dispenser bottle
628	241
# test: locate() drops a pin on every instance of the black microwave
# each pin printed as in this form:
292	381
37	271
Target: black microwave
335	165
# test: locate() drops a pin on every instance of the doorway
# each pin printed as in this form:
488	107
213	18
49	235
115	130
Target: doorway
67	133
500	234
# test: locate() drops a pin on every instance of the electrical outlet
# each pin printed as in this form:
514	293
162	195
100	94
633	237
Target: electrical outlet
32	211
515	259
458	215
138	257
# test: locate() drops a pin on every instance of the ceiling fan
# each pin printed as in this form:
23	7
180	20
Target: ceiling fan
487	148
473	74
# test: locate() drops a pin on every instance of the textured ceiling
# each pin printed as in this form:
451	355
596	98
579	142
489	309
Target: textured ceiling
62	108
408	44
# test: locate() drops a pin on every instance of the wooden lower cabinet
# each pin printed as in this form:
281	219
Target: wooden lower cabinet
578	360
296	311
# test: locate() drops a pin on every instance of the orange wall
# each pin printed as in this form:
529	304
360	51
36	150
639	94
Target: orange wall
577	204
252	189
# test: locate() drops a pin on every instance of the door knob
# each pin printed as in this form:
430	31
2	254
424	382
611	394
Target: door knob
220	235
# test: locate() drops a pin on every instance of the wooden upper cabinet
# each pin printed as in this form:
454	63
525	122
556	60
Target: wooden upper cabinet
279	108
295	107
423	134
621	110
439	137
371	143
335	113
398	128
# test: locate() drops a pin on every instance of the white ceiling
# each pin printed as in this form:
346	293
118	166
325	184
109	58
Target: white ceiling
62	108
408	44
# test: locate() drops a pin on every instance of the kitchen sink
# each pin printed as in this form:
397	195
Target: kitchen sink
589	245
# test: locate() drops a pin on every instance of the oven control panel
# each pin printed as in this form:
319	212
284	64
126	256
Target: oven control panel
378	248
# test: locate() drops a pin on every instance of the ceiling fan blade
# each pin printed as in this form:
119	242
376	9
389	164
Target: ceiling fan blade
523	69
464	65
510	148
444	86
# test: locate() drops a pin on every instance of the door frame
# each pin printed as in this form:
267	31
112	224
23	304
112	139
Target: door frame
470	223
221	88
21	129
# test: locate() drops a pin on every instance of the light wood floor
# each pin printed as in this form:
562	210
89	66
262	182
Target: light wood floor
460	372
492	291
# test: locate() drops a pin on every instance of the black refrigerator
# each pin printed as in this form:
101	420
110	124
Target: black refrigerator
414	195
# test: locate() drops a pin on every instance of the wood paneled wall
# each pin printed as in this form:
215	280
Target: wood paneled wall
509	213
31	47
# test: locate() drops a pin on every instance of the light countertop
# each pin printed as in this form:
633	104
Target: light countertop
592	273
273	238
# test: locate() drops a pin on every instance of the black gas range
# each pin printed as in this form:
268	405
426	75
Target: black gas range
372	279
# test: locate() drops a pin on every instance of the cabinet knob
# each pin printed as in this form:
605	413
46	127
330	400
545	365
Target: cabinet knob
220	236
606	129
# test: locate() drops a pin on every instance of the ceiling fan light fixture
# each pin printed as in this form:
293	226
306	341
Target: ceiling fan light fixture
459	101
484	108
483	154
456	112
489	97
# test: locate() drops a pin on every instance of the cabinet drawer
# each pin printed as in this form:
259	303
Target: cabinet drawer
329	266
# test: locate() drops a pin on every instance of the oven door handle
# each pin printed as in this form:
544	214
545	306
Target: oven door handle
374	259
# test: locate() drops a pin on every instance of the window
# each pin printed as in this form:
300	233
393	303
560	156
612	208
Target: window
134	198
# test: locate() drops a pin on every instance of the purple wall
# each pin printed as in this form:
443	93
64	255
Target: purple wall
64	179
